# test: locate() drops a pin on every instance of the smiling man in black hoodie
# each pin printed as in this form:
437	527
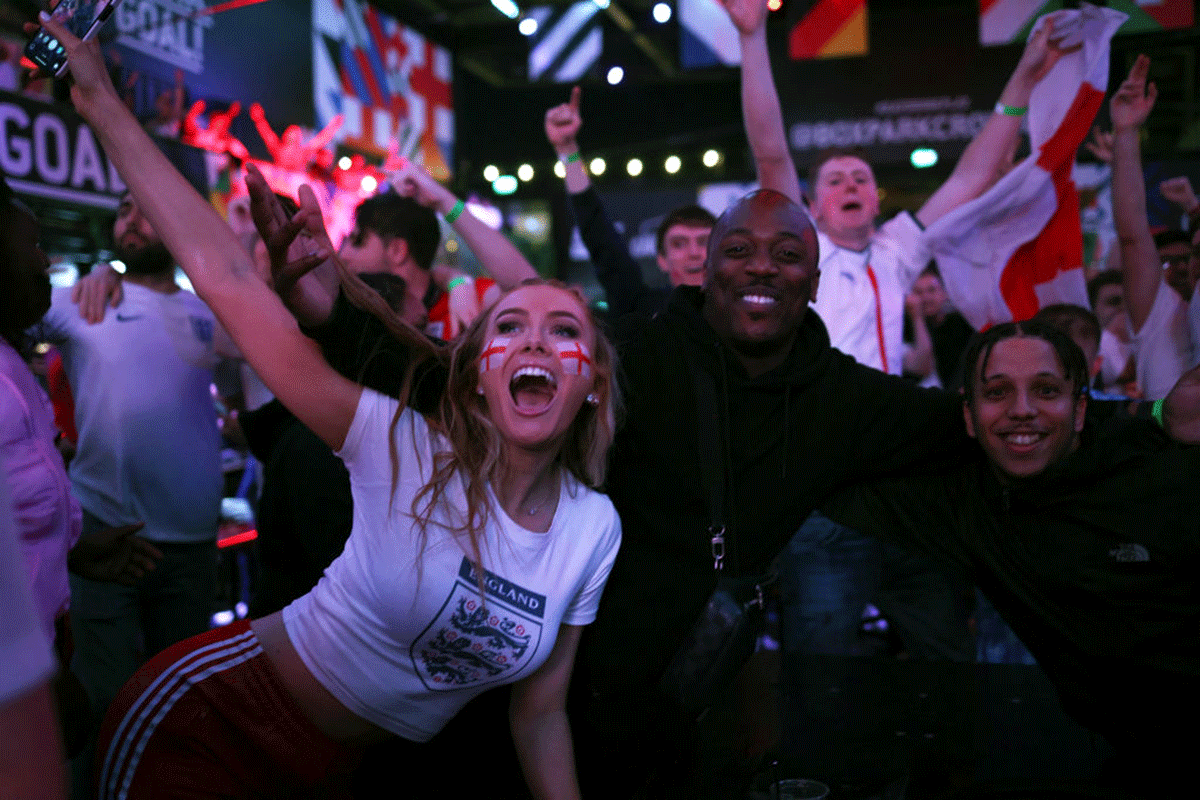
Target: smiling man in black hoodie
796	419
1082	533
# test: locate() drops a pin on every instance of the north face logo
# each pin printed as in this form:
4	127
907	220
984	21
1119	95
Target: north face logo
1130	552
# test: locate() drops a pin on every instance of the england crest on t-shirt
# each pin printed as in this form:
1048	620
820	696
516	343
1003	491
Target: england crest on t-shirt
473	640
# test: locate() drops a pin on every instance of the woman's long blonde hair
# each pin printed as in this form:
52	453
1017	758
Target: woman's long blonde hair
476	446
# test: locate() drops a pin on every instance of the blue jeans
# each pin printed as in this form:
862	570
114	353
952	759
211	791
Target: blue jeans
116	628
996	643
827	575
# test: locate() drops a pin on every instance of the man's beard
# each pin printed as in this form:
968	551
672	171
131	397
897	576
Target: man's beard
149	259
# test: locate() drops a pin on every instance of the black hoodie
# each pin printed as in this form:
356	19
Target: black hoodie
1093	563
794	434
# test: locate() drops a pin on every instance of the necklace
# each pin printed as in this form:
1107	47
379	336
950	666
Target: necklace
533	510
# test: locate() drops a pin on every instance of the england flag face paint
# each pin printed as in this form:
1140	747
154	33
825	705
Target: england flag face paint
493	355
575	357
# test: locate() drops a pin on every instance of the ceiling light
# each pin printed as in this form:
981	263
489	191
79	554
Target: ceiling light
505	184
597	166
634	167
507	7
923	157
672	164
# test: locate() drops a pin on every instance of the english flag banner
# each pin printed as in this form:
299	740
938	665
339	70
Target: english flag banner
1019	245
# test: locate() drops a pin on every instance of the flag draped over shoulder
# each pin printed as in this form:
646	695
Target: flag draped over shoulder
1019	245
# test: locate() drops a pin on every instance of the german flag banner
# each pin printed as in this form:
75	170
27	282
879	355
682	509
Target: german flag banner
827	29
1009	21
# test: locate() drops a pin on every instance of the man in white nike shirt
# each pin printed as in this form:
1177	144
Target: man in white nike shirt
149	451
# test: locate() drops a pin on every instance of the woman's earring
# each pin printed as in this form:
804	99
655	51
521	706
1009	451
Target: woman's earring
594	399
479	390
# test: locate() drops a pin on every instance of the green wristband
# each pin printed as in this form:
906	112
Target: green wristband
1011	111
456	212
572	158
1156	411
457	281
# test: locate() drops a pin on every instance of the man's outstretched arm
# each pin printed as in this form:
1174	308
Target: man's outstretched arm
616	271
761	111
989	154
1141	269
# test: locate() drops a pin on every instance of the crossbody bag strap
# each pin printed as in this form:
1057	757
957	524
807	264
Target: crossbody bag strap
712	456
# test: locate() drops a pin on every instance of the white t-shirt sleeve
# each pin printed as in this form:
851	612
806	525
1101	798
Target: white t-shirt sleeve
1162	345
582	609
902	235
366	447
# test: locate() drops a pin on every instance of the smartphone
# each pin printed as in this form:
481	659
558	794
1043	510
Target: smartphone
83	17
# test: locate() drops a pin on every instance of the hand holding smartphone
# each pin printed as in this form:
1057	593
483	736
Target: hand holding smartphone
84	18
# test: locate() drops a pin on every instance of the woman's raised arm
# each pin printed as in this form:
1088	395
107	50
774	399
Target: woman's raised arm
220	268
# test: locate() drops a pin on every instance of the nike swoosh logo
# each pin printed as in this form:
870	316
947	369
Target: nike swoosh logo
127	319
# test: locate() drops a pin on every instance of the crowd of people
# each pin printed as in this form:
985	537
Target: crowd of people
473	482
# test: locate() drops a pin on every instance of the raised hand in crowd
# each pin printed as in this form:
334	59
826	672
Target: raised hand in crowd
988	156
761	109
412	180
463	299
747	16
499	257
302	271
1179	191
563	122
1130	107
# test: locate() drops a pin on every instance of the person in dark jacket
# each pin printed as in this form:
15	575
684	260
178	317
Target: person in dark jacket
798	419
1083	535
681	241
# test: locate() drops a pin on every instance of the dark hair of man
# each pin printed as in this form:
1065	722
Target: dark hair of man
391	288
1061	315
979	350
1171	236
395	217
1099	281
829	154
692	216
